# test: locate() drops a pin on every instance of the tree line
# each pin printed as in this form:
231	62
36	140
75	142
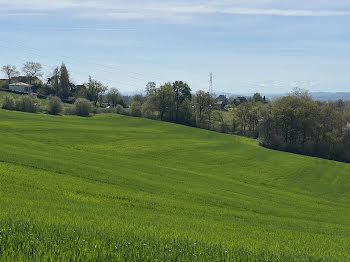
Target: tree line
293	123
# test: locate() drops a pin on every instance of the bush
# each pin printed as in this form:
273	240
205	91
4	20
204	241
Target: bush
28	104
111	110
101	110
119	109
136	108
69	110
147	110
82	107
4	86
55	105
9	103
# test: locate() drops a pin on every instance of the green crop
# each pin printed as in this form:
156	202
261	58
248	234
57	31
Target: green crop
113	187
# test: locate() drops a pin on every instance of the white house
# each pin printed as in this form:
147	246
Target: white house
21	87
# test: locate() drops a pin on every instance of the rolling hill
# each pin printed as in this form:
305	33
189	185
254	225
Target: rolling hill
113	187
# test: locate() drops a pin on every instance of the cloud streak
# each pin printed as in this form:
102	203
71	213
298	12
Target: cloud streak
22	14
244	11
180	12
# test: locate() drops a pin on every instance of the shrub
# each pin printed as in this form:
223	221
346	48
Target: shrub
69	110
4	86
104	110
82	107
119	109
55	105
148	111
136	108
28	104
9	103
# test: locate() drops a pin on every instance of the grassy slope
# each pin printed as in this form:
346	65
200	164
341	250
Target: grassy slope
114	178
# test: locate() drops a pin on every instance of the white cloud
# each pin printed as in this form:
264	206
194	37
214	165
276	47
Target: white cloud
179	12
244	11
281	12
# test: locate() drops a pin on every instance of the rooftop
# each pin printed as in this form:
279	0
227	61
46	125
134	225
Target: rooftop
19	84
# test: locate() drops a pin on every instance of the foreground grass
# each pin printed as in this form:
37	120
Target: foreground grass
113	187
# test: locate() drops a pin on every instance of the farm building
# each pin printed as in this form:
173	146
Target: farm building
21	87
222	101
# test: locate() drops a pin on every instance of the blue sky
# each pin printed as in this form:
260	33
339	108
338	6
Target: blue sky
267	46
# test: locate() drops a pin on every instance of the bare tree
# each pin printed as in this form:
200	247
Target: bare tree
32	70
10	71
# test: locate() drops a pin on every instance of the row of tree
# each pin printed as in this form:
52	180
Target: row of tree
174	102
294	123
31	69
299	125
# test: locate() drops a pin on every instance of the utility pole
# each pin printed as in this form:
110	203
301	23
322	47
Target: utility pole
211	91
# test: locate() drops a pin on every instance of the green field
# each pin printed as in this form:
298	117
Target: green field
113	187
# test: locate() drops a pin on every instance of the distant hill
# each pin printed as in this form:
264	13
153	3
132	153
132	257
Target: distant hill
324	96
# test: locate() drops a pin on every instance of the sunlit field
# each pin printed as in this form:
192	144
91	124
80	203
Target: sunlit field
113	187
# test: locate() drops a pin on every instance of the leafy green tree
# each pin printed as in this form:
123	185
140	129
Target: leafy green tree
94	90
114	98
257	98
218	117
138	98
182	92
163	101
54	81
186	114
64	84
204	104
242	114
